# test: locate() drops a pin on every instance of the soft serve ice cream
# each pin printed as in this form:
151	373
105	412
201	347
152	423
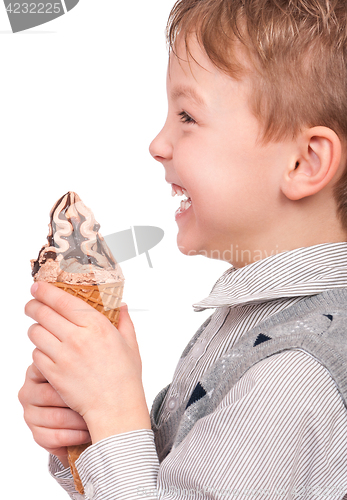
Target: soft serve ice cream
76	252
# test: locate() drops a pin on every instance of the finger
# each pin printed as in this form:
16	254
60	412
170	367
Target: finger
55	418
43	363
49	319
126	327
34	380
38	394
35	375
59	438
44	341
72	308
45	395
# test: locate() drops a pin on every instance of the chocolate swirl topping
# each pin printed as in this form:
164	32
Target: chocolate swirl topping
74	234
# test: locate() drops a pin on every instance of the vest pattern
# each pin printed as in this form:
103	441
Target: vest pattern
316	325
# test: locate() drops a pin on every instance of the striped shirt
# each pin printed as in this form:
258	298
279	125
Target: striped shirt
282	425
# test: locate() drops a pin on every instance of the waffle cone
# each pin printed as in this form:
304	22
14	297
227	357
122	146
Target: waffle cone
106	299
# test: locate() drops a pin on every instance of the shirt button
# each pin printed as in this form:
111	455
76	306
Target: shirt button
89	490
172	404
199	349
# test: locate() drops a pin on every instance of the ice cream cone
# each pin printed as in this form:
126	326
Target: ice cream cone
77	259
73	454
106	298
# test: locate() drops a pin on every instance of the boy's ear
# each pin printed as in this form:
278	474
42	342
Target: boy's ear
317	161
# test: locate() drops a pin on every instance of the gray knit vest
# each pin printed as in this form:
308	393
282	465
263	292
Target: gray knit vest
317	325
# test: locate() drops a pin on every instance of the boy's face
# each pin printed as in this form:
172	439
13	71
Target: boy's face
232	181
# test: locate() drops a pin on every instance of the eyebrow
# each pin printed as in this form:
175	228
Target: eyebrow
189	92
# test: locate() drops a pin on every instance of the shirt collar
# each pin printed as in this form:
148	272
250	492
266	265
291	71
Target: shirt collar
299	272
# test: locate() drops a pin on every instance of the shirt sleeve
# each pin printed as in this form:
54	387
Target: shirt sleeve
278	433
63	477
120	467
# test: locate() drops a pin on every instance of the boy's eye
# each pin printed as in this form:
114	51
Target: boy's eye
185	118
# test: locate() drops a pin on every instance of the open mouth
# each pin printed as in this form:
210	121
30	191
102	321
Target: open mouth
185	203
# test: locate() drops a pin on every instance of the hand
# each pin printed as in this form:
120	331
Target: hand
94	367
53	425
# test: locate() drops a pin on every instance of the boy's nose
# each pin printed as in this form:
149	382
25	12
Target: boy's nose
161	148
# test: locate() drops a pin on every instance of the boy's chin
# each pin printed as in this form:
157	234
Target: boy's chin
186	247
210	254
187	250
191	250
196	246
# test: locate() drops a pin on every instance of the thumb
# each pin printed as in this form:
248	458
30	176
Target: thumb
126	326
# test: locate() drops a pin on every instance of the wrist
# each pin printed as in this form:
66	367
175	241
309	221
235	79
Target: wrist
105	423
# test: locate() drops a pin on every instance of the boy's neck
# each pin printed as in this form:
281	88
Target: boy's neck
307	224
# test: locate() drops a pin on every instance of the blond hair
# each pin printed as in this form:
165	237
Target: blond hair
298	55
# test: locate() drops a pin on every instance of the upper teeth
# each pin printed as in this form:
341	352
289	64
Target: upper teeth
179	191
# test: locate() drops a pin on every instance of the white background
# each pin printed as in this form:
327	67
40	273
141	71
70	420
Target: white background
81	98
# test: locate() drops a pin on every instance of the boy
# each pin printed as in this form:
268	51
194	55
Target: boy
256	137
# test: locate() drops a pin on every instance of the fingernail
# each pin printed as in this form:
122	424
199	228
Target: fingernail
34	288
